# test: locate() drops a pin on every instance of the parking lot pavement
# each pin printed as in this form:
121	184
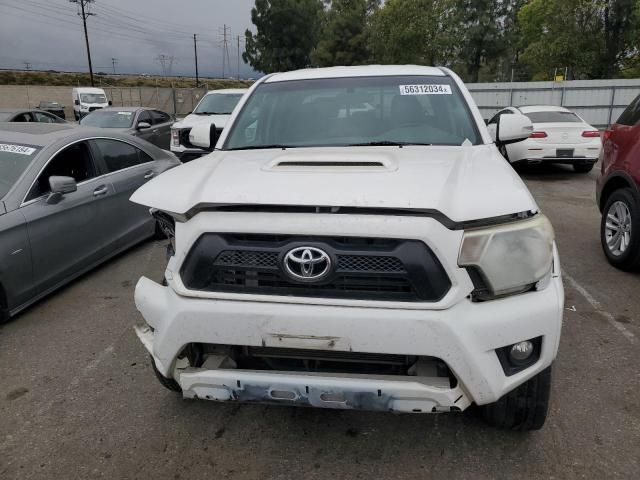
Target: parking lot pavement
79	400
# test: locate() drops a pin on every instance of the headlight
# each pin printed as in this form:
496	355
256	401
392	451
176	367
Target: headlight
510	258
175	137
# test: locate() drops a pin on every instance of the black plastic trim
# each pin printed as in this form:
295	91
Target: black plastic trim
384	211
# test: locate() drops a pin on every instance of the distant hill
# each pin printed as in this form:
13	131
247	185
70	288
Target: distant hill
53	78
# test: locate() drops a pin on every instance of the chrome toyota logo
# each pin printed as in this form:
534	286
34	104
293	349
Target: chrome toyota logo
307	264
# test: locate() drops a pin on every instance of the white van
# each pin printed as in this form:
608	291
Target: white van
88	99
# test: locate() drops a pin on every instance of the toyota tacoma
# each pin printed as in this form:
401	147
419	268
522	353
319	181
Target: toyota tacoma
356	241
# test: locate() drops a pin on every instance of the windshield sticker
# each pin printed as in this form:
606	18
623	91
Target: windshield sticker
5	147
425	89
128	114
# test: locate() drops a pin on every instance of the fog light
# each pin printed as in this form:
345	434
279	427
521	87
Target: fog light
521	351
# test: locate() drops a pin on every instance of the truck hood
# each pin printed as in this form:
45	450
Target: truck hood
463	183
192	120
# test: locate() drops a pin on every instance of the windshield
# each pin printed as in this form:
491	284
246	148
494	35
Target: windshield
394	110
108	119
218	103
93	98
14	159
4	116
553	117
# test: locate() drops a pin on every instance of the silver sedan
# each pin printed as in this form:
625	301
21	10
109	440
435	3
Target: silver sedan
151	125
64	204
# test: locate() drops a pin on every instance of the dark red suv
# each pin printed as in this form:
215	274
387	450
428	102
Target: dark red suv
618	190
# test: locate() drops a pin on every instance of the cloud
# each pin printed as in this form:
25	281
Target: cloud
49	35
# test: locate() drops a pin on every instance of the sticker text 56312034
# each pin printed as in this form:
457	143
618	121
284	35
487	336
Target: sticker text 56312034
425	89
21	149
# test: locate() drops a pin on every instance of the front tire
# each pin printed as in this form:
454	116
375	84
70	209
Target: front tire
620	230
168	383
524	408
583	167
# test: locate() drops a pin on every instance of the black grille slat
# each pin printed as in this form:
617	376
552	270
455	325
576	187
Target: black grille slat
365	268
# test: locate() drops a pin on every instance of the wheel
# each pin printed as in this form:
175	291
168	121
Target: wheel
168	383
583	167
75	115
620	230
524	408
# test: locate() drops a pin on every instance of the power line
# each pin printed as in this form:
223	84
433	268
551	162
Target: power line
85	13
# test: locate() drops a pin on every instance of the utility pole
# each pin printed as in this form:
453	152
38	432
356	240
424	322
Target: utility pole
238	78
195	51
85	13
27	65
225	49
114	61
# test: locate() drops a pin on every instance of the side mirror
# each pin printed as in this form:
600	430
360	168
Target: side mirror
60	186
511	128
110	103
486	121
143	126
76	102
204	136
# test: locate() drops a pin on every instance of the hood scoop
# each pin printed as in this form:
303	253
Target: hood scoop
328	163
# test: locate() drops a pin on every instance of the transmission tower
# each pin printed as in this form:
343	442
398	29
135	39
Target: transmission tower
83	11
114	62
166	62
225	49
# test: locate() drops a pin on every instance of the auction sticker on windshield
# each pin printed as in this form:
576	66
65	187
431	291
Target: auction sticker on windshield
22	150
425	89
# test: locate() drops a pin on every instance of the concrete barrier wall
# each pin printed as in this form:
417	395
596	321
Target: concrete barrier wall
178	101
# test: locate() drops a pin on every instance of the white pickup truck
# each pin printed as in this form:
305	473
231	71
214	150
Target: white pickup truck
357	241
213	109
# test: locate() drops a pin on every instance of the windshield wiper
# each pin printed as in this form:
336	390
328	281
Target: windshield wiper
212	113
261	147
386	143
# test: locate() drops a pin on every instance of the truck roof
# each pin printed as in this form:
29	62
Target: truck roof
356	71
88	90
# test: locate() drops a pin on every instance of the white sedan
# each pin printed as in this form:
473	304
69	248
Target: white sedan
559	136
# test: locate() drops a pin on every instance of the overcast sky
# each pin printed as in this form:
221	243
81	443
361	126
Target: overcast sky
48	34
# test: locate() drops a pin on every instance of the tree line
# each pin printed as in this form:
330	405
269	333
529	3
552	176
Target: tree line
481	40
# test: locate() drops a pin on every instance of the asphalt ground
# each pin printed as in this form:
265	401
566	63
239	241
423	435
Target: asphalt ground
78	398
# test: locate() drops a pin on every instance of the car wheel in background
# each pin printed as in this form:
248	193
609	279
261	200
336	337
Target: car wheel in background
620	230
524	408
583	167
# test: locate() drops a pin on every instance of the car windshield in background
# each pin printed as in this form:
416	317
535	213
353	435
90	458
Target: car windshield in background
93	98
14	159
218	103
553	117
108	119
393	110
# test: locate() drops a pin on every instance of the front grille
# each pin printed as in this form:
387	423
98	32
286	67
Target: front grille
91	109
364	268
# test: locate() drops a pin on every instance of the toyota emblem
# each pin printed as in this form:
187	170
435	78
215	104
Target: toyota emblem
307	264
